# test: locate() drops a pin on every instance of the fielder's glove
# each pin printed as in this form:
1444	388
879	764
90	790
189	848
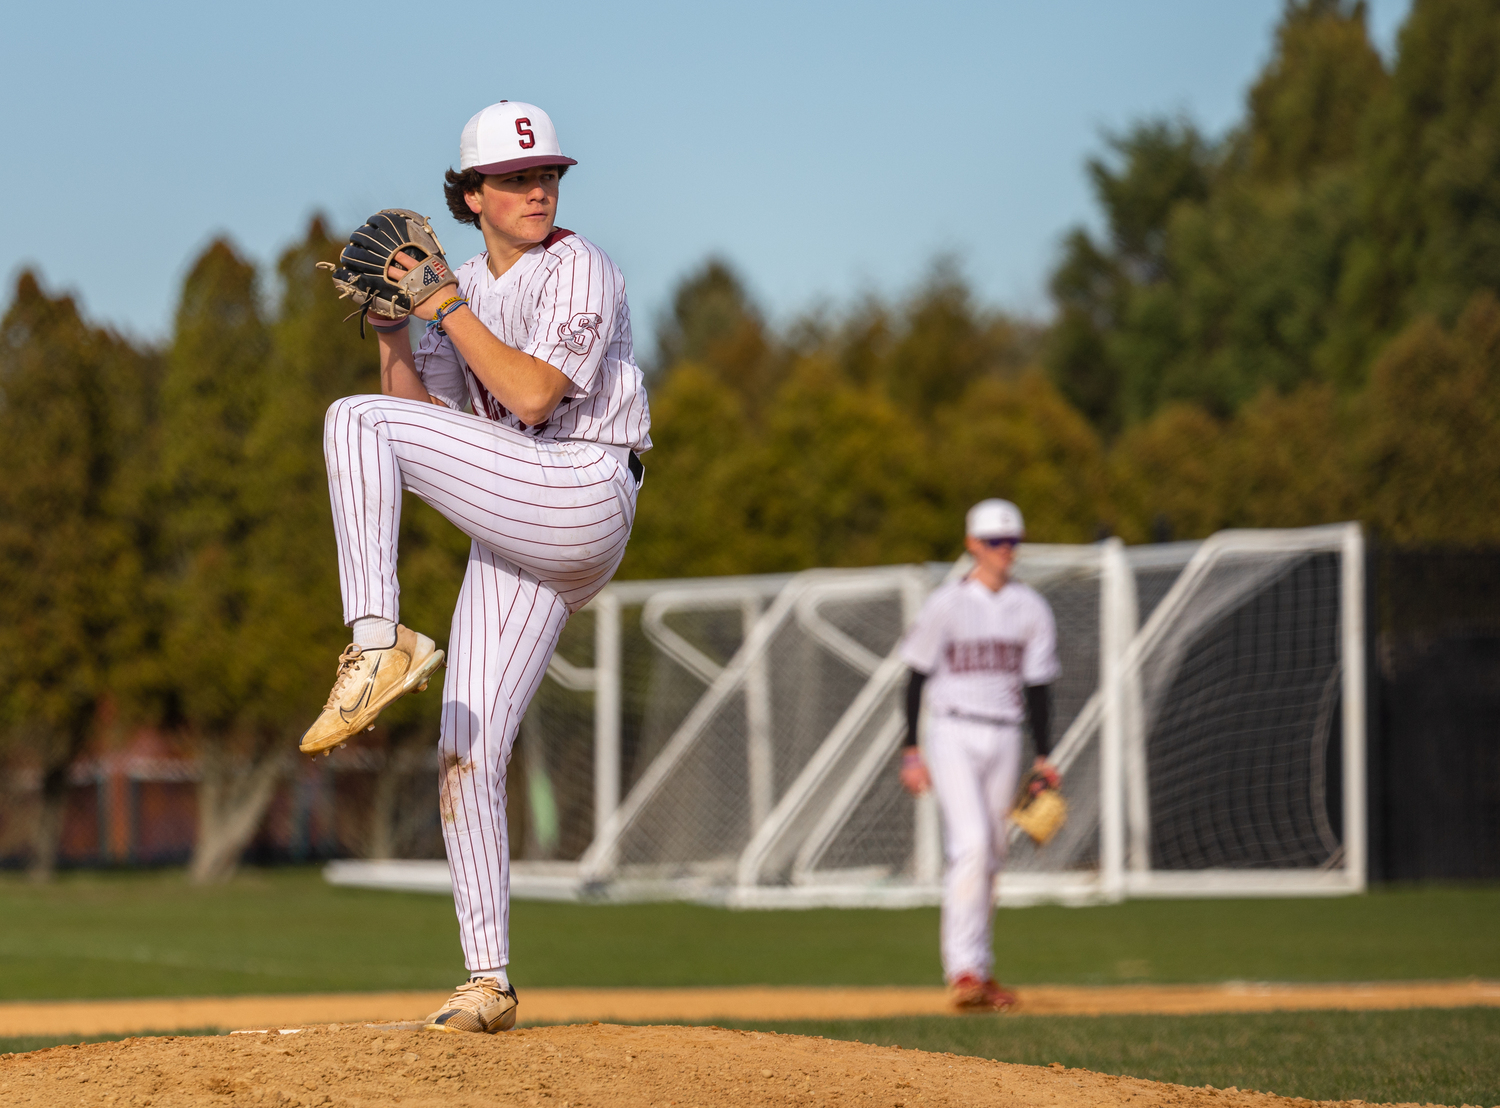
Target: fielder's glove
362	272
1039	810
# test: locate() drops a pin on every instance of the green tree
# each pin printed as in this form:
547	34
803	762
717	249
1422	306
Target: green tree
1308	107
1022	440
837	479
1091	294
714	324
1257	267
690	516
935	346
1153	169
1225	264
1290	461
1167	474
1284	460
219	661
256	614
74	402
1431	470
310	358
1253	299
318	357
886	425
1431	188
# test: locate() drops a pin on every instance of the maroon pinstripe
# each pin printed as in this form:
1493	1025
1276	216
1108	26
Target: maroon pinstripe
549	520
548	508
504	630
558	509
531	307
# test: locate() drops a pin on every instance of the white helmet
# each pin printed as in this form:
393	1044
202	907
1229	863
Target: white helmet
508	137
995	519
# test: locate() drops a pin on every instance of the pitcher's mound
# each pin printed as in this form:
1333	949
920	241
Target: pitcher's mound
556	1067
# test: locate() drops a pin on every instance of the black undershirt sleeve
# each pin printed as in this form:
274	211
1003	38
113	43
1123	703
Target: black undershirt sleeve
913	705
1039	712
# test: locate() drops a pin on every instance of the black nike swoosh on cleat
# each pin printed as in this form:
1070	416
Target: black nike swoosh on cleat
347	714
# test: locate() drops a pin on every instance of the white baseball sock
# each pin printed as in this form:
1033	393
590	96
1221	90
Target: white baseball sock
497	974
372	632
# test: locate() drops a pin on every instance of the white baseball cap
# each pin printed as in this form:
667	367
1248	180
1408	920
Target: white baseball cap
995	519
509	136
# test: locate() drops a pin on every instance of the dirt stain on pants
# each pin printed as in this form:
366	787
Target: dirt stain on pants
454	769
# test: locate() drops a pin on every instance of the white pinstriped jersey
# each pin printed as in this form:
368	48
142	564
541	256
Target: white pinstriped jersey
563	302
979	647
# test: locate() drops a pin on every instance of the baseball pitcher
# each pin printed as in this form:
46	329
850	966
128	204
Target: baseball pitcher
983	651
520	416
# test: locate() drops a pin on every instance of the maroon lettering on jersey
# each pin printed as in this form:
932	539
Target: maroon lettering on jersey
581	332
523	128
984	656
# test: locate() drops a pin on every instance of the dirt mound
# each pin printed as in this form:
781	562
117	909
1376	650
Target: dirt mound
558	1067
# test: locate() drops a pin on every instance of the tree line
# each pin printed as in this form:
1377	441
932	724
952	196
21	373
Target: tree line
1288	325
1294	323
166	554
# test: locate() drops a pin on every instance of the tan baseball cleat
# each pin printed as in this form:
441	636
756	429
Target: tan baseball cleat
368	680
480	1006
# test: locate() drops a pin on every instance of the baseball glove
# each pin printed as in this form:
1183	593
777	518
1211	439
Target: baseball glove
362	276
1039	810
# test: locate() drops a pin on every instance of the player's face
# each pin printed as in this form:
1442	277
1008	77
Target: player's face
520	206
995	559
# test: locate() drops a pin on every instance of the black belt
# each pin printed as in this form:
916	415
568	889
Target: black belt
637	470
967	718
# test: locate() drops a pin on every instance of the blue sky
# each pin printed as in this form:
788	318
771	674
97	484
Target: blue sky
826	150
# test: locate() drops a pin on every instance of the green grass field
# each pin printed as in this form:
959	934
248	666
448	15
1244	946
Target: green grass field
1443	1056
94	935
285	930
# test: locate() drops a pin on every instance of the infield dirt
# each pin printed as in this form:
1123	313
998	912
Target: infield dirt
560	1067
709	1005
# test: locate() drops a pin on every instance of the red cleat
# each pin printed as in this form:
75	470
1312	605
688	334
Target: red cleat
971	993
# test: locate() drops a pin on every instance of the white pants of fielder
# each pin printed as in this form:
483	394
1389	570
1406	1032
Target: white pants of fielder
974	769
549	521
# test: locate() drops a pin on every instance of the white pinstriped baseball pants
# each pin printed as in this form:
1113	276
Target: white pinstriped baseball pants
549	521
974	768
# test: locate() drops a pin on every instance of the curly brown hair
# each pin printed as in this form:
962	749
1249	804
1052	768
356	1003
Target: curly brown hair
470	180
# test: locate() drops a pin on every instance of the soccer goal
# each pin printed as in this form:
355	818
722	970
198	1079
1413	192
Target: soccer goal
737	739
1241	707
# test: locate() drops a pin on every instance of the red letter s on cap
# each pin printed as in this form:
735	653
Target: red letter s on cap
523	128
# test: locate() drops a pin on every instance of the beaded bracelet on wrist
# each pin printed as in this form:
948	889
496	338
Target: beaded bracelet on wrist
446	308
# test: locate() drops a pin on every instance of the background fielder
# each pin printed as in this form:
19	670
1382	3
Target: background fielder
542	475
984	651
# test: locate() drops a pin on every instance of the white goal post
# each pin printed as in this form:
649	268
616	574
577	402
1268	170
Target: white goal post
735	739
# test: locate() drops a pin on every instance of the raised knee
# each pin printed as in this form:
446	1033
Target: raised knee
346	408
337	414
